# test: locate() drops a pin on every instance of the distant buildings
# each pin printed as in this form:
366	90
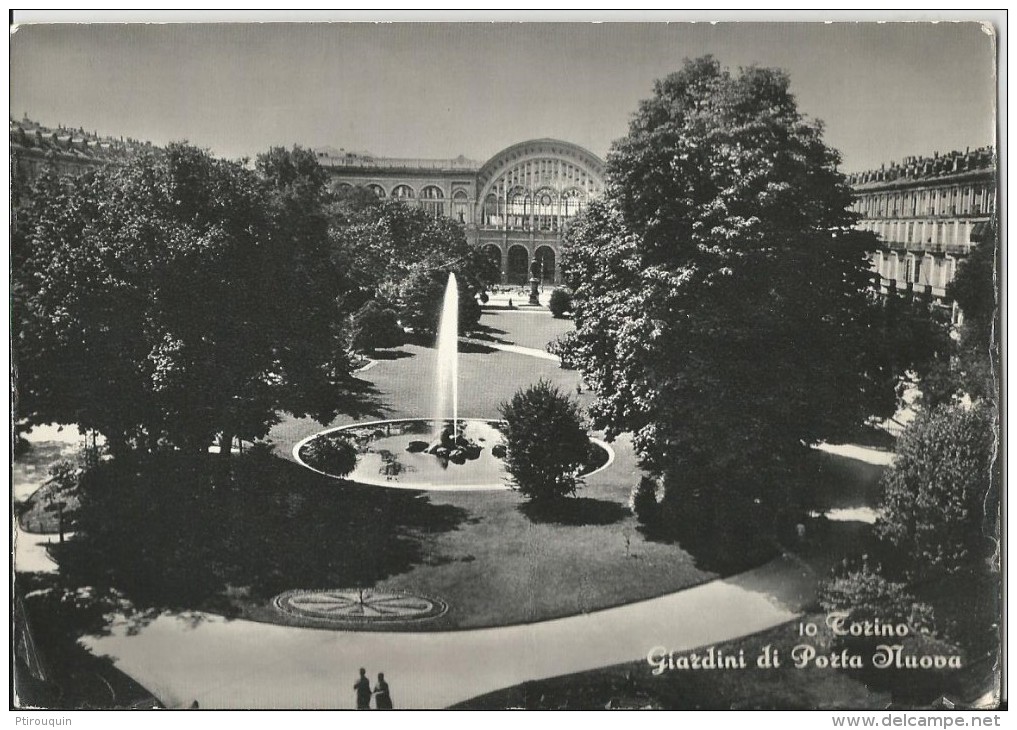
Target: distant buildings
928	212
71	151
516	205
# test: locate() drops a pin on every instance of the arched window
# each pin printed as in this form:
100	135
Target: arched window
377	190
403	192
432	200
572	203
518	265
545	210
545	255
460	206
494	254
518	208
492	214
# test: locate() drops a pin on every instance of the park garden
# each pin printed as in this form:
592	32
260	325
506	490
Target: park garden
250	357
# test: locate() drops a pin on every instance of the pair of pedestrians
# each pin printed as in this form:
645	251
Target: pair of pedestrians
382	698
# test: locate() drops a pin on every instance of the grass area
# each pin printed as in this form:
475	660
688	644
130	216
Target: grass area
165	536
39	513
176	543
522	328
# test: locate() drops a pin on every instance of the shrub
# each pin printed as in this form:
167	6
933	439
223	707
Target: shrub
866	595
643	501
560	302
335	456
562	348
547	442
376	325
935	493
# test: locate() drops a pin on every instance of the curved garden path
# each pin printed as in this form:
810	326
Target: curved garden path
220	663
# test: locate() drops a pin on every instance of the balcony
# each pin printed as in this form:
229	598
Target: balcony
961	249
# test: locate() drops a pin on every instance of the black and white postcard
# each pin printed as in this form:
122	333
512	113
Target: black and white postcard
491	365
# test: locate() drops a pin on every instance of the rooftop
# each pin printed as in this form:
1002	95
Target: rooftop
331	157
936	166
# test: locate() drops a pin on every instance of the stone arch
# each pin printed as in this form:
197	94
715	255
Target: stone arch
461	206
548	260
432	199
376	189
540	163
492	211
493	252
403	192
518	265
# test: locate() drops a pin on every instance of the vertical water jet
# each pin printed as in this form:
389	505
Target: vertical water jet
446	382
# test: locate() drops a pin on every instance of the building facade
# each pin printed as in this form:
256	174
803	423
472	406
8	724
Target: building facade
516	206
928	213
69	151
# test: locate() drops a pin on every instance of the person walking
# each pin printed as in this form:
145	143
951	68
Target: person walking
363	690
382	699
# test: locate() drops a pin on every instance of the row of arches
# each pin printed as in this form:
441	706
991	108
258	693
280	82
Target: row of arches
431	198
543	210
514	264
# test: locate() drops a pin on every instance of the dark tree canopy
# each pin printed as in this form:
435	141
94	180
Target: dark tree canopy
176	297
721	298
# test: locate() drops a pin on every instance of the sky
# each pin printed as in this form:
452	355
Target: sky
884	91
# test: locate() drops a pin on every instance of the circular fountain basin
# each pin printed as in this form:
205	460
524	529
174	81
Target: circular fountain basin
385	461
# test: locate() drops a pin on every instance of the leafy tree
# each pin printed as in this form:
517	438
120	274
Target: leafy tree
974	364
399	253
547	442
722	299
560	302
423	296
939	501
174	298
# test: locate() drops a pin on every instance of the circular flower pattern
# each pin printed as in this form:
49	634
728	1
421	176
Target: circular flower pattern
346	605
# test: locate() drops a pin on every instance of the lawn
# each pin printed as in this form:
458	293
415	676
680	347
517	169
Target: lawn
166	545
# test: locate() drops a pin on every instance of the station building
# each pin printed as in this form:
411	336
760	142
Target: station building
516	206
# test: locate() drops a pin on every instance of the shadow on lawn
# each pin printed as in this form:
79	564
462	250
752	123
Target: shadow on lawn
361	399
475	348
485	332
165	535
575	511
390	354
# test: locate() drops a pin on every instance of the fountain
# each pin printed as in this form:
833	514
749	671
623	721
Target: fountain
462	453
446	378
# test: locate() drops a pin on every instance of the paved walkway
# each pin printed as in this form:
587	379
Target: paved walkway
245	664
224	663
